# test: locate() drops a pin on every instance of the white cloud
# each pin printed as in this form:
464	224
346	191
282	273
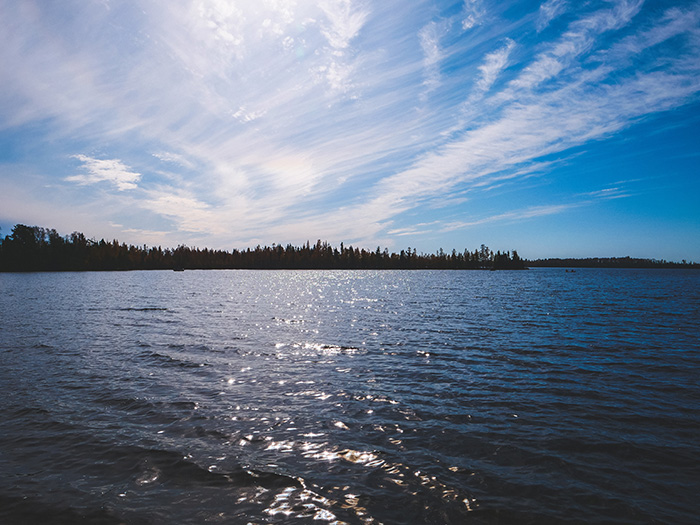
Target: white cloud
608	193
174	158
550	10
473	14
224	19
494	63
673	23
512	216
345	21
429	37
579	38
418	229
190	213
105	170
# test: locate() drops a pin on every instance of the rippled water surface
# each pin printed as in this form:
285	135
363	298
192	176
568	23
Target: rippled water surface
350	396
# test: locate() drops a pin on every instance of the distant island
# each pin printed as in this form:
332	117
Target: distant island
609	262
36	249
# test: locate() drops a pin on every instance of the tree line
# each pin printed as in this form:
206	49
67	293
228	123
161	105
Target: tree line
610	262
32	249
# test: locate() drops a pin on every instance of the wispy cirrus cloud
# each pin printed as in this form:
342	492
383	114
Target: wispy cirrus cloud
586	105
344	21
494	63
579	39
430	36
608	193
512	216
550	10
173	158
675	22
189	213
473	13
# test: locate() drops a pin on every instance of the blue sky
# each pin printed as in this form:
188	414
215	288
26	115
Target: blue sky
554	127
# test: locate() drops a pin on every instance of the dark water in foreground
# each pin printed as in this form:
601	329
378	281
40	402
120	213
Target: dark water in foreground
357	397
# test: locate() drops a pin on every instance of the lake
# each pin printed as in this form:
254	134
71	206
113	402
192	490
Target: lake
350	396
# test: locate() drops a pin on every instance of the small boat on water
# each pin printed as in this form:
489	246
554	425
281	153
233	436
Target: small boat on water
178	269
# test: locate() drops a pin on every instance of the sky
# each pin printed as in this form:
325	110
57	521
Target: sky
558	128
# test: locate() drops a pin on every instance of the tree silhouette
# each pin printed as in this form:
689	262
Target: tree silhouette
31	248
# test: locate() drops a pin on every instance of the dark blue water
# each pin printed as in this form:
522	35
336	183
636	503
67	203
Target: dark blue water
350	396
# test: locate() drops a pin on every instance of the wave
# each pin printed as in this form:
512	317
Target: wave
166	360
144	309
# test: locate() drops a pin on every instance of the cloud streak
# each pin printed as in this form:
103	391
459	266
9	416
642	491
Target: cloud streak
549	11
494	64
513	216
430	44
473	15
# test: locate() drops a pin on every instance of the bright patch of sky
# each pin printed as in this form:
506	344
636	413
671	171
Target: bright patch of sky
557	128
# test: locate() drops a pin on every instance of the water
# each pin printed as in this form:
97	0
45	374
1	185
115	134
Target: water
350	396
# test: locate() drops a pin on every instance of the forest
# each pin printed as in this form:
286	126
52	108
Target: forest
35	249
